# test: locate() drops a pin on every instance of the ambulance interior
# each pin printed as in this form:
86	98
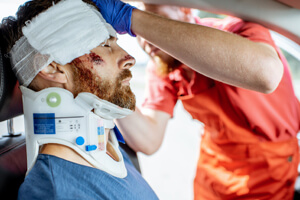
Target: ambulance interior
169	172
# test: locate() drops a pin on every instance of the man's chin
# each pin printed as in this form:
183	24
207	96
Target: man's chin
126	100
129	107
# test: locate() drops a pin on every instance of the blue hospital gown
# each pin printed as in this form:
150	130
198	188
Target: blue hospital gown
55	178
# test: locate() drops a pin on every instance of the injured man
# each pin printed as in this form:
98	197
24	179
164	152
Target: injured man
74	80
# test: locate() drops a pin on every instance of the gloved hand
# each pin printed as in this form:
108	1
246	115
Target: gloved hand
116	13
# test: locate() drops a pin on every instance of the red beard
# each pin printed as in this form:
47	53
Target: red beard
112	91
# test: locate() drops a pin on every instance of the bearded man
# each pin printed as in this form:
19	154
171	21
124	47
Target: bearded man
61	50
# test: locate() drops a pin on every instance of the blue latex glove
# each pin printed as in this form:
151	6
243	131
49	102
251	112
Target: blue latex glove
116	13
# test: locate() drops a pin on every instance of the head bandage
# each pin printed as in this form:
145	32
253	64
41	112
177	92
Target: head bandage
65	31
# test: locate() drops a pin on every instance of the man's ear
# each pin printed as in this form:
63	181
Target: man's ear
54	72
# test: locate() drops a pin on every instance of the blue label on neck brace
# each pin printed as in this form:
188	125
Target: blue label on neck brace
44	123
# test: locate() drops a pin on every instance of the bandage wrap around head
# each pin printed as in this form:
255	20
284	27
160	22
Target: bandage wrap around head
53	115
65	31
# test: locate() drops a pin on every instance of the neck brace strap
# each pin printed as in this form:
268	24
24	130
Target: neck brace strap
53	115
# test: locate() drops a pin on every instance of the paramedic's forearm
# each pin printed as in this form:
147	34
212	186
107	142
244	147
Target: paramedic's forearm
144	132
222	56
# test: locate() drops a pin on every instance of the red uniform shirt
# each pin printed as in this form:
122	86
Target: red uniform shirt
249	149
273	117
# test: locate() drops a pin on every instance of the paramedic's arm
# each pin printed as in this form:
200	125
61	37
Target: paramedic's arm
220	55
144	130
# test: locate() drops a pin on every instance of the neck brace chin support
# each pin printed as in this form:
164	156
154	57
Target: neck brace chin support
53	115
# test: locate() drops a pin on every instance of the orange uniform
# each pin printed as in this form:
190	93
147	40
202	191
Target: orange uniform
249	149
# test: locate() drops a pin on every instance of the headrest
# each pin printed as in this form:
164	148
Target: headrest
10	94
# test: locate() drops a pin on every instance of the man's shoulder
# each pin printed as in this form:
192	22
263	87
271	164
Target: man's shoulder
55	177
41	170
38	184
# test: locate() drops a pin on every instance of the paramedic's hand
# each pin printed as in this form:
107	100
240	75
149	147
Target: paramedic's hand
117	13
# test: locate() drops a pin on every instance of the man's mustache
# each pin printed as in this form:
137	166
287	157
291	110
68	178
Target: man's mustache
126	73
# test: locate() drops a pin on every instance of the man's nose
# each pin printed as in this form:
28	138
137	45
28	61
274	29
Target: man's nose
127	62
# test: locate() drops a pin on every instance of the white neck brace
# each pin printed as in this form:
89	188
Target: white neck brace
53	115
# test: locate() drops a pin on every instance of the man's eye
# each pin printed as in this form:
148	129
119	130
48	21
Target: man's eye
105	44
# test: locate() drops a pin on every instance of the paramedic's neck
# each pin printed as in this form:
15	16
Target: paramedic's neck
69	154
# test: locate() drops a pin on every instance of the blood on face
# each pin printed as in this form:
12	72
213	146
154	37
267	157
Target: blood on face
96	59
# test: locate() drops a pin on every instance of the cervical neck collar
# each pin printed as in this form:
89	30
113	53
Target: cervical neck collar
53	115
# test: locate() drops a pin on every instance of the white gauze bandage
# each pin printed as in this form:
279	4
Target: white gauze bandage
65	31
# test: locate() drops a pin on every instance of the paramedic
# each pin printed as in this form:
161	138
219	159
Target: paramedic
230	75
